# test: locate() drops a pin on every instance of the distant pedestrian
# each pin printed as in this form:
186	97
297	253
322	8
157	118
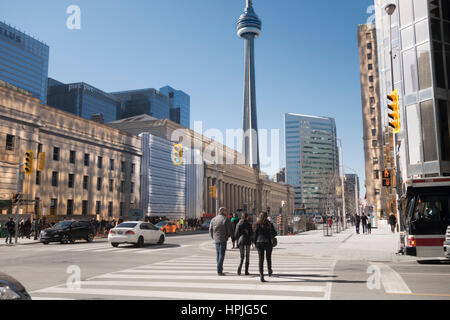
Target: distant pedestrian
392	221
263	235
220	230
357	222
234	222
243	234
10	230
181	223
364	223
369	225
27	228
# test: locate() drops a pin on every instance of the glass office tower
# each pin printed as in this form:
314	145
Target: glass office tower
421	65
311	156
83	100
23	61
181	105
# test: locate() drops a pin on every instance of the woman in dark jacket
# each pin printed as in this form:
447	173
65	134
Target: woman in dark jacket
263	234
243	236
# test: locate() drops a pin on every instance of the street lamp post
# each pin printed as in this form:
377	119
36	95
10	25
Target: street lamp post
390	9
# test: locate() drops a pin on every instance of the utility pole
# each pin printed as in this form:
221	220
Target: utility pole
20	177
217	181
344	218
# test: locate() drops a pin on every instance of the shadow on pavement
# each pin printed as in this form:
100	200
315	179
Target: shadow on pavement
435	261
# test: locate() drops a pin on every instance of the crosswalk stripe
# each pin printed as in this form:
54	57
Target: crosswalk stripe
204	271
174	294
254	266
209	285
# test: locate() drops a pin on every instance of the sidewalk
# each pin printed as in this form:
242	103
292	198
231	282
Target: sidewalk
380	245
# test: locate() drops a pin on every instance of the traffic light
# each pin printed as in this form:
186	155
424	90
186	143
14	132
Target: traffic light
28	167
386	178
213	191
279	219
395	108
177	156
41	161
15	198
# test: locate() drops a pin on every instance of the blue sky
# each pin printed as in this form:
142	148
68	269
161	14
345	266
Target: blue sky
306	58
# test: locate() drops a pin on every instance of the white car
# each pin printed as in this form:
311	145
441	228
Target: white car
135	232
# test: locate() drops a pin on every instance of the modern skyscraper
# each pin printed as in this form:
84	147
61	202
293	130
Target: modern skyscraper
421	68
181	105
166	104
351	185
249	28
372	118
83	100
23	61
312	161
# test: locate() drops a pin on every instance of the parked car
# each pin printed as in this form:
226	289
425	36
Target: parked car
11	289
447	243
167	227
68	231
205	226
318	219
135	232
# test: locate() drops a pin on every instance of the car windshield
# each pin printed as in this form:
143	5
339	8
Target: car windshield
62	225
161	224
127	225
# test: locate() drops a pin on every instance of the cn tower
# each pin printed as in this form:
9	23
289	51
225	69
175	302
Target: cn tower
249	28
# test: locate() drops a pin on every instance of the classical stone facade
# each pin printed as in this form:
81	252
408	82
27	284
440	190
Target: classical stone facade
239	186
91	170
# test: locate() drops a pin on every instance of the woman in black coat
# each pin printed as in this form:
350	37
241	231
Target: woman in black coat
263	235
243	236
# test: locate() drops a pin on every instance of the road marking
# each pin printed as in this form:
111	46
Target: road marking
230	286
392	281
425	274
205	271
174	294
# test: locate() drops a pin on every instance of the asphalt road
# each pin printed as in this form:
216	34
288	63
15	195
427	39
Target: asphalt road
184	268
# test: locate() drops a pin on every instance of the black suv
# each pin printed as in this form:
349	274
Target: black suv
68	231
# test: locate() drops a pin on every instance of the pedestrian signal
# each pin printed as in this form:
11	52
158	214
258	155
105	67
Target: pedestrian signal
15	198
386	178
28	167
177	156
395	114
213	191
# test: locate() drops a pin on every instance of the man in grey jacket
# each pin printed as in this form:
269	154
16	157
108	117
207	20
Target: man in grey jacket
220	230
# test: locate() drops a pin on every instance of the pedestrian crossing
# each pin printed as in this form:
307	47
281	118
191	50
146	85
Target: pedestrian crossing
102	247
195	278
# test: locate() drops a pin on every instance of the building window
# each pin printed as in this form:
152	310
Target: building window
372	89
370	79
85	182
69	207
123	166
132	168
370	66
132	187
53	206
84	208
444	120
377	192
10	142
122	186
374	132
373	121
54	179
121	209
368	35
369	56
99	162
375	160
374	143
428	131
72	156
111	164
86	159
39	148
372	101
38	178
99	184
111	183
98	207
369	46
376	174
110	209
71	180
55	154
372	110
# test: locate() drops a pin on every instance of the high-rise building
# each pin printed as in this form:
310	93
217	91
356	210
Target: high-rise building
372	118
351	191
421	69
280	176
23	61
249	28
312	160
167	104
83	100
181	105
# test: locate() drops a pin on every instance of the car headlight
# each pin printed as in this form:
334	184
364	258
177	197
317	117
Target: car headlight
7	294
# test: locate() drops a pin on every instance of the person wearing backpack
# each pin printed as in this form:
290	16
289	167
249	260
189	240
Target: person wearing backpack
243	236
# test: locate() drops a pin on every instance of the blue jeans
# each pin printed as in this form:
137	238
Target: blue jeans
9	234
220	251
